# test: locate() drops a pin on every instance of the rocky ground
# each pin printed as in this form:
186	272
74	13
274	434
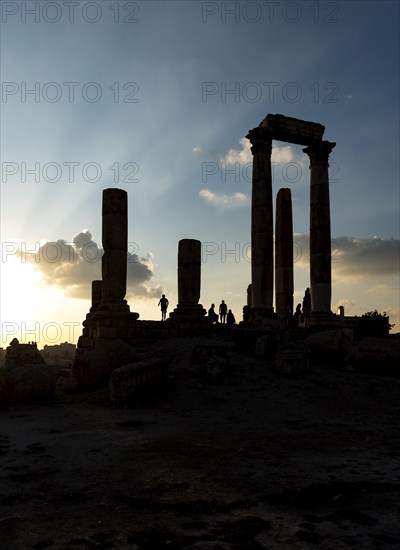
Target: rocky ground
254	460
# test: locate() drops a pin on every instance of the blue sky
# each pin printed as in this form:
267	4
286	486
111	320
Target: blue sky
179	131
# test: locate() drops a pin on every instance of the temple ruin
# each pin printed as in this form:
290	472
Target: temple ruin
310	134
111	331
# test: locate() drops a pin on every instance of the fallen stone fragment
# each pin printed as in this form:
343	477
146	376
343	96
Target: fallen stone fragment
129	380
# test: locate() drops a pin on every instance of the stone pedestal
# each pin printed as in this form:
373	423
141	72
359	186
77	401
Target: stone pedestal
262	266
283	253
320	230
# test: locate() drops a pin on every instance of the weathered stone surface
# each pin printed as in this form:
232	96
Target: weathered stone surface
94	366
267	345
201	353
293	130
27	383
18	355
330	344
293	360
245	336
216	367
376	354
128	380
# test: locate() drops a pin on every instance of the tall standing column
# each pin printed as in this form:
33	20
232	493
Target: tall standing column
262	262
283	253
320	227
189	281
115	243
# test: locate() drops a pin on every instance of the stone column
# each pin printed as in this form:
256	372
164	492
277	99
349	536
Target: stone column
189	271
115	243
189	279
262	263
283	253
320	227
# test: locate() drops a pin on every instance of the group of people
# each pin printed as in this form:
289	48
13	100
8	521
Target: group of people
225	314
302	312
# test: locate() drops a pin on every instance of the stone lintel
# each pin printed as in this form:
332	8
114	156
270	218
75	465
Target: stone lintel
292	130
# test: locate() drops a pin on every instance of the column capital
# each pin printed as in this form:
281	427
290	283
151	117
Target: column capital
261	140
319	151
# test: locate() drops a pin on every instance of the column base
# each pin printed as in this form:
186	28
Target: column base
264	311
324	319
188	312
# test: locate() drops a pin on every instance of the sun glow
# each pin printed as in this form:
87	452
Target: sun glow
32	312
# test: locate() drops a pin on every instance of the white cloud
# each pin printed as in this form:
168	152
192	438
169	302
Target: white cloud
244	155
72	267
224	201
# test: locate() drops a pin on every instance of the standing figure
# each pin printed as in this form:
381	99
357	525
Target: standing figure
223	308
307	307
164	306
296	316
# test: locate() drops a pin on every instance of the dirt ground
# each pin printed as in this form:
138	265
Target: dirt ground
254	461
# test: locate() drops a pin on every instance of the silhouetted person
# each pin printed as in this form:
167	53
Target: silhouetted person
246	314
296	316
230	318
164	306
223	308
212	315
307	307
289	315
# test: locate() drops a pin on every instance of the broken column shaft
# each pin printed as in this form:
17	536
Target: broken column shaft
115	243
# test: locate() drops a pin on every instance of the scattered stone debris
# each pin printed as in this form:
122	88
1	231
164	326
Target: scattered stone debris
27	383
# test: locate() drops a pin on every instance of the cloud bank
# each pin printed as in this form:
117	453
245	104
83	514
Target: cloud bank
72	266
355	259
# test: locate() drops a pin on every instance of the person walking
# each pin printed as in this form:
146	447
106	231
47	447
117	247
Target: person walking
164	306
